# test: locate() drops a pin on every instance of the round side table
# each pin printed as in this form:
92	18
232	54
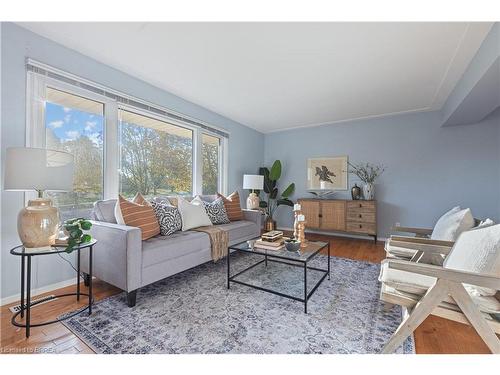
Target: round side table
26	256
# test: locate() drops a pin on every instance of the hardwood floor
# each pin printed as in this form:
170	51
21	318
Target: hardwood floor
435	335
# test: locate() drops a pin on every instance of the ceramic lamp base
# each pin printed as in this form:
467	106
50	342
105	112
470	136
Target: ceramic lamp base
38	223
252	201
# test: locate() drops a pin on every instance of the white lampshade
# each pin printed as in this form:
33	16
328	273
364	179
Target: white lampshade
253	181
38	169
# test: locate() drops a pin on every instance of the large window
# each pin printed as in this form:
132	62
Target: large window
120	148
211	158
76	125
156	158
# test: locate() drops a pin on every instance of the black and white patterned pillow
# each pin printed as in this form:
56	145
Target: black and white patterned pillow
168	217
216	211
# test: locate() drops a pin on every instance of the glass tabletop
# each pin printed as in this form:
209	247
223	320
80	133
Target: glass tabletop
21	250
303	255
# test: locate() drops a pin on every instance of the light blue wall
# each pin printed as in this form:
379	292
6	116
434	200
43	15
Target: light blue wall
429	168
245	146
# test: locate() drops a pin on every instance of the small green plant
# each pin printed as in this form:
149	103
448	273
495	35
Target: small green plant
74	228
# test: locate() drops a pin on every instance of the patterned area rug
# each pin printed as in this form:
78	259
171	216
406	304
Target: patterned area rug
193	312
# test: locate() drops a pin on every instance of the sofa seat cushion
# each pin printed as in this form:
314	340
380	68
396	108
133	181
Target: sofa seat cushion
163	248
240	230
414	285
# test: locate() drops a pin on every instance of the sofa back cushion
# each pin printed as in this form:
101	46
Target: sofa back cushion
452	224
477	251
137	215
104	210
233	207
172	199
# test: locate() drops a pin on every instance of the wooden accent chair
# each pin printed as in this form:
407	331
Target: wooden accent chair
396	250
464	289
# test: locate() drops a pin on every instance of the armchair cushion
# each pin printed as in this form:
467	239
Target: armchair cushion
414	285
477	251
452	224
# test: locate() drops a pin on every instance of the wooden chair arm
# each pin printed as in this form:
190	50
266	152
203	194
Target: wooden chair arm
421	240
484	280
423	247
422	232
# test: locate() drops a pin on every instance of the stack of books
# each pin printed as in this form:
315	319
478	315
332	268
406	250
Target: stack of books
272	240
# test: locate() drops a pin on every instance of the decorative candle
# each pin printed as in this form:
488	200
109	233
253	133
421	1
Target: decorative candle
301	218
297	207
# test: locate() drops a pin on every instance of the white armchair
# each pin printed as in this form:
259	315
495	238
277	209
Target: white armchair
445	232
464	289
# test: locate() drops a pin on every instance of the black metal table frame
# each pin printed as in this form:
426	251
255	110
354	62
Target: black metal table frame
280	259
26	283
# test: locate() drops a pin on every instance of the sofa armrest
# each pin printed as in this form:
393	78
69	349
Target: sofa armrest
253	215
117	256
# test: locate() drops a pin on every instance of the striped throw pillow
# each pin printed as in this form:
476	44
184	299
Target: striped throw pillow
232	205
140	215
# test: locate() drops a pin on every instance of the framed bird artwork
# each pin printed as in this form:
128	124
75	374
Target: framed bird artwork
327	173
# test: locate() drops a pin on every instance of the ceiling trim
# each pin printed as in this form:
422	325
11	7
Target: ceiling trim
410	111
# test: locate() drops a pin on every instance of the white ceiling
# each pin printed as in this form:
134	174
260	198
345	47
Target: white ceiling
274	76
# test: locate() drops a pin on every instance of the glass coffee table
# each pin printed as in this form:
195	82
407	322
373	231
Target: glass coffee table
299	258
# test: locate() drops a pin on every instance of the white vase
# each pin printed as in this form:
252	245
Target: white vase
369	192
322	185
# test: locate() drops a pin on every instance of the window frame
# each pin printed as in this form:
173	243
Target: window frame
36	89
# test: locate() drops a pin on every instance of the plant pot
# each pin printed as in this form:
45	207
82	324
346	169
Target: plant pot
369	192
269	224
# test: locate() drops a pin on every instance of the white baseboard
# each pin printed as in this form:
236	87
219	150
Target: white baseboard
349	235
37	291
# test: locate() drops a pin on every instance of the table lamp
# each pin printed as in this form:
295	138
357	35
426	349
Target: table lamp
253	182
41	170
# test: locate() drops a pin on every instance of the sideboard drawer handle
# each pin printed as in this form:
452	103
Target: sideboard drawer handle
360	226
360	205
360	215
319	215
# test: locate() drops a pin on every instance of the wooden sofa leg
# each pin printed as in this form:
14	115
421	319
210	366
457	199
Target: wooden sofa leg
86	279
131	298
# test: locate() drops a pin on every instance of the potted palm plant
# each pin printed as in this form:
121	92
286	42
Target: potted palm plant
274	199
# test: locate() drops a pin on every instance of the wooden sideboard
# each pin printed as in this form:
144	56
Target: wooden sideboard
338	215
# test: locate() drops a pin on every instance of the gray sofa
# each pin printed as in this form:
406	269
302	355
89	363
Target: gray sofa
122	259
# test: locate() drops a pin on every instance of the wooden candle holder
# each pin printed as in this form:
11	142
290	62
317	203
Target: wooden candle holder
301	226
295	223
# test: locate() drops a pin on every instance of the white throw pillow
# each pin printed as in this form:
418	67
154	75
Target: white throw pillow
452	224
193	214
477	251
